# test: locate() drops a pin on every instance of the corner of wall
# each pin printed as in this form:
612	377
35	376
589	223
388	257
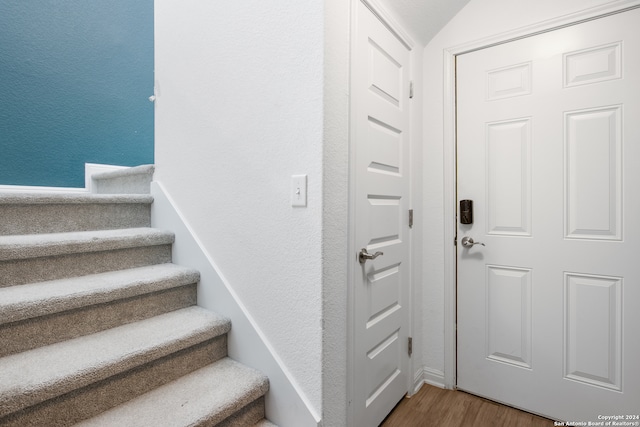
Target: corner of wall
433	377
426	375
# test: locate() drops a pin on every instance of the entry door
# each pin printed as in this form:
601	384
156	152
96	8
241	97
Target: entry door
380	120
549	152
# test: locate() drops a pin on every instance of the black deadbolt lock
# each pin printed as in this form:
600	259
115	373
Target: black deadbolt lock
466	211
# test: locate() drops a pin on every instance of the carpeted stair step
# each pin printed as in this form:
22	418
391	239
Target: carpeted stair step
73	380
38	257
36	213
222	394
98	326
134	180
38	314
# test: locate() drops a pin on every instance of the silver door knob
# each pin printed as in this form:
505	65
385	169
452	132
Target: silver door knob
363	256
468	242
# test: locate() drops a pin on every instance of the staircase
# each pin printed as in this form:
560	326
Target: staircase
99	328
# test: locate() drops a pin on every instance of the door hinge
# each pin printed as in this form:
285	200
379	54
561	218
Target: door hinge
410	346
411	89
410	218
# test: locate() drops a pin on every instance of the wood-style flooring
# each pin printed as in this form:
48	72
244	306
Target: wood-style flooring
433	406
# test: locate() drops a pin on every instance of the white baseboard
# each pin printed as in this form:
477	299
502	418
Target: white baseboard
418	381
429	376
285	404
433	377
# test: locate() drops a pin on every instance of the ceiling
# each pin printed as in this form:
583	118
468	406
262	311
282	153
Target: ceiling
424	18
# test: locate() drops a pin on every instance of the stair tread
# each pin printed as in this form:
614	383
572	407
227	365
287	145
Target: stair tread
41	245
37	375
71	198
210	395
54	296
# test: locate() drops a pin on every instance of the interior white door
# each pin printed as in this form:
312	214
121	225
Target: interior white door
549	152
380	120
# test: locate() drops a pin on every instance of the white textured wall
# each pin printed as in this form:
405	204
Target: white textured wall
479	19
239	109
336	212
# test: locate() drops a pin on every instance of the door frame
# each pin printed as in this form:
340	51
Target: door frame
450	154
415	137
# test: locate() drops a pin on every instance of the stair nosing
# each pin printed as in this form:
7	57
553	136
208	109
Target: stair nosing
27	246
37	375
33	300
210	402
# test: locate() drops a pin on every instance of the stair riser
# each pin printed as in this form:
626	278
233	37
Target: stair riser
89	401
247	416
57	218
31	270
32	333
139	184
133	180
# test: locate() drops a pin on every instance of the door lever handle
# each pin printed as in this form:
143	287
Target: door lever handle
468	242
363	256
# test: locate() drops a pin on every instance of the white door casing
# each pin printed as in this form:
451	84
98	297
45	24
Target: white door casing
547	149
381	190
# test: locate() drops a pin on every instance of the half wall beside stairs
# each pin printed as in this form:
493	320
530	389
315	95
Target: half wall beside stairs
285	403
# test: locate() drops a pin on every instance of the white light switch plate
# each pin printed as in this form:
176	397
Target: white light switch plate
299	190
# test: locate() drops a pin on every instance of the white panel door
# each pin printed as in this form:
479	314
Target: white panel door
549	152
380	123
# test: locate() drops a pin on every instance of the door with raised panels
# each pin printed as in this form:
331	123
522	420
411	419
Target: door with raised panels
549	152
380	123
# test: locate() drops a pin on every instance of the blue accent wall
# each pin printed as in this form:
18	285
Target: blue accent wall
75	81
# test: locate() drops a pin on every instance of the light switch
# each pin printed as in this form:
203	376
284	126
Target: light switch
299	190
